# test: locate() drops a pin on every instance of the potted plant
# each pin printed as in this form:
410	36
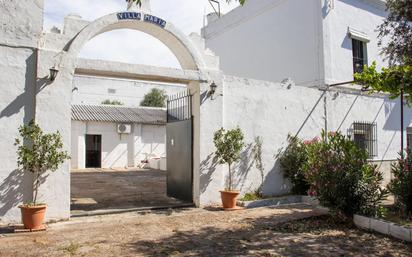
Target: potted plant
229	145
37	153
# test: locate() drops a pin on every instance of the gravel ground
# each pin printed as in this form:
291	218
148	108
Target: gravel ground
296	230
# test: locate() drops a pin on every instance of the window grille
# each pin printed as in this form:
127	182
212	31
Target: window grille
364	134
409	139
359	55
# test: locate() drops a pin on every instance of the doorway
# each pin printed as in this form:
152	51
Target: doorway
93	151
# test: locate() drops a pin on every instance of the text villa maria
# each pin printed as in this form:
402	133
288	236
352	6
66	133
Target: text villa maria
138	16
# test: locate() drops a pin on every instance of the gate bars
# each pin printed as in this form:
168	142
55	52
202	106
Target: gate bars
179	107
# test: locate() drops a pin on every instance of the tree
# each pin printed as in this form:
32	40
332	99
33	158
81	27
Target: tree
242	2
112	102
229	145
397	27
38	153
393	80
155	98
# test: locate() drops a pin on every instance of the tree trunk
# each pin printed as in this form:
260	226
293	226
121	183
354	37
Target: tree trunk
36	187
230	177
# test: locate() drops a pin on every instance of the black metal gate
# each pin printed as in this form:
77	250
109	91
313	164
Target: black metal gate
179	146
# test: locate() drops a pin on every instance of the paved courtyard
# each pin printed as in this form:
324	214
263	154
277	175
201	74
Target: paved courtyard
276	231
107	189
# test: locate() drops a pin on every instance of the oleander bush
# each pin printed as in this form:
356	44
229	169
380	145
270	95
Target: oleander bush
292	161
401	185
342	179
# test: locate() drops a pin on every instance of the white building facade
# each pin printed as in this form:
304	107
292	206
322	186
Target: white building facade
259	45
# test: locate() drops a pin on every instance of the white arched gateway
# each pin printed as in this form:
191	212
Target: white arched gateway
53	100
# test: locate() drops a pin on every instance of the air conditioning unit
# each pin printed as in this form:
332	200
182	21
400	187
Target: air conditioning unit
124	128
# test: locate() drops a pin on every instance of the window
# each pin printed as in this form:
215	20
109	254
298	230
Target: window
409	139
359	55
364	134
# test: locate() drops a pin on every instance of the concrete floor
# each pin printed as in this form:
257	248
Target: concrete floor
107	189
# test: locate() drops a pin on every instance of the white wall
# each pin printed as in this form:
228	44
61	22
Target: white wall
273	111
118	151
18	39
270	40
95	90
363	16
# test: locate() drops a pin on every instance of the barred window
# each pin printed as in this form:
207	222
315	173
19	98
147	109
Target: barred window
409	139
364	134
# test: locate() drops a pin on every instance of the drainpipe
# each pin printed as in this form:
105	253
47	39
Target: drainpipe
402	132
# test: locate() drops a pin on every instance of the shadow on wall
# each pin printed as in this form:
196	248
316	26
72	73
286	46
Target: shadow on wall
15	189
243	167
207	168
26	100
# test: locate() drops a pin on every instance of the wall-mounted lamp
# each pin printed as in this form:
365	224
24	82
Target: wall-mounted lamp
212	90
53	73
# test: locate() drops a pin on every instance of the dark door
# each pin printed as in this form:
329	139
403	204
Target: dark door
93	151
179	160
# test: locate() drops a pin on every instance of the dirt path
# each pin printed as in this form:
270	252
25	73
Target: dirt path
198	232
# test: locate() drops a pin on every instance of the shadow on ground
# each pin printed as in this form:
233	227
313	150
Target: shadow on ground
270	237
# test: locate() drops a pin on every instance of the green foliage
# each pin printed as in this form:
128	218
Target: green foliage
342	179
39	152
112	102
292	160
257	157
242	2
229	145
390	80
252	196
155	98
396	32
401	185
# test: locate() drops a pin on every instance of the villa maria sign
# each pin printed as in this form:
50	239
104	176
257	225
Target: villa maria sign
138	16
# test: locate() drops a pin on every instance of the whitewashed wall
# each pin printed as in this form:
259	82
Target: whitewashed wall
363	16
118	151
18	42
95	90
270	40
272	111
304	40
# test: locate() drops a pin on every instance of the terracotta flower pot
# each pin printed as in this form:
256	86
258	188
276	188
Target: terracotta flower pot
229	199
33	216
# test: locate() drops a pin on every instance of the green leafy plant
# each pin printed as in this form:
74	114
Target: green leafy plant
112	102
155	98
292	161
391	80
341	178
38	153
401	185
242	2
257	157
229	145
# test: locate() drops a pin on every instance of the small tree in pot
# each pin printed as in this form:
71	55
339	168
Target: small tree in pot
38	153
229	145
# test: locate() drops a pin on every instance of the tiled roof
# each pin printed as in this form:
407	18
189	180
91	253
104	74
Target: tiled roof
119	114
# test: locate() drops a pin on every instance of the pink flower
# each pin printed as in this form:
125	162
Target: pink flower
332	133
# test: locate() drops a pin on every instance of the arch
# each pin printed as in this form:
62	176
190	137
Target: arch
185	51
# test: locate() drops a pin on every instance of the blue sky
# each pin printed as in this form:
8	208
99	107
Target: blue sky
186	15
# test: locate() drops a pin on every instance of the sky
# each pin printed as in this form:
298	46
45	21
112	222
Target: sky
187	15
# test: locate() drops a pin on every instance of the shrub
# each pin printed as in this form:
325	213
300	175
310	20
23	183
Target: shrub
229	145
401	185
292	161
110	102
38	153
341	177
155	98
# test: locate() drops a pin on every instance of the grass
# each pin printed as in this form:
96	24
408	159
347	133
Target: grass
72	248
251	197
398	218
